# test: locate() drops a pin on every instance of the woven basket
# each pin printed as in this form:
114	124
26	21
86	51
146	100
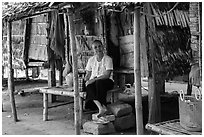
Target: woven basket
190	112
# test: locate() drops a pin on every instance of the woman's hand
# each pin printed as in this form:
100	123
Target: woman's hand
90	81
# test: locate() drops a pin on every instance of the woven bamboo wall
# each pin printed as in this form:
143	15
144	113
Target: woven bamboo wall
17	43
38	40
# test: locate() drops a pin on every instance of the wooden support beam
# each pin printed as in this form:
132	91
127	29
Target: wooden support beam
137	72
51	70
105	30
26	73
52	79
77	103
60	73
11	85
153	94
60	77
67	38
45	107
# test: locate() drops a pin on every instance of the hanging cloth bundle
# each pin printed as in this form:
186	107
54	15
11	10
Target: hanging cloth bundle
57	36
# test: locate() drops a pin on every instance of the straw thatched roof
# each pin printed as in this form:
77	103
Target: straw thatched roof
19	9
178	17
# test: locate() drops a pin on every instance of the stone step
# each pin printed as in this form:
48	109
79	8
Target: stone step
125	122
120	109
98	129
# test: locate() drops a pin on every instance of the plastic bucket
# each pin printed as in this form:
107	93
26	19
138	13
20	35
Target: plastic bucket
190	112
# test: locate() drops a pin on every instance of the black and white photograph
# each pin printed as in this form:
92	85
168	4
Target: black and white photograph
101	68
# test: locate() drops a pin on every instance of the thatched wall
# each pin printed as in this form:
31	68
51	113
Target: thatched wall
172	39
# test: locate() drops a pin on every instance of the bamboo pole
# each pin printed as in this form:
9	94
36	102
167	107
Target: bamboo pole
104	30
66	40
199	39
137	72
11	87
75	73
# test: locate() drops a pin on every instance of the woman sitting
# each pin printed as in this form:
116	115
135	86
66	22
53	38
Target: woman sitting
99	77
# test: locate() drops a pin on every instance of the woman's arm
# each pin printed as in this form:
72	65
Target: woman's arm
105	76
87	76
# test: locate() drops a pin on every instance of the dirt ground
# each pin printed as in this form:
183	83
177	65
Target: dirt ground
30	110
61	119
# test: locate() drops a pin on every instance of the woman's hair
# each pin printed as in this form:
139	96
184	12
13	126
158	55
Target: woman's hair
97	42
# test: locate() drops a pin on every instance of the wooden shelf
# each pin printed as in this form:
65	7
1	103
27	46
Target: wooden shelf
35	64
124	71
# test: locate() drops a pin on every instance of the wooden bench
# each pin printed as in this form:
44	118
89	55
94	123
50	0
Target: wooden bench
171	127
61	91
65	91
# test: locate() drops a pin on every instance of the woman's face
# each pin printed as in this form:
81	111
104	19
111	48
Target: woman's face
98	48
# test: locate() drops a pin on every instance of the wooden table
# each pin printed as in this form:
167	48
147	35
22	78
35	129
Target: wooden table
62	91
171	127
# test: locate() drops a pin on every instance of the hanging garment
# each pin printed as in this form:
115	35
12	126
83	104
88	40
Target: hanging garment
57	35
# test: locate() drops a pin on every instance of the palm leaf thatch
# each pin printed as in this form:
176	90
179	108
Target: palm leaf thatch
172	40
13	10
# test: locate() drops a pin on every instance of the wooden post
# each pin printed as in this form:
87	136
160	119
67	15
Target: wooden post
27	34
26	73
60	74
52	79
153	95
67	38
51	70
60	77
75	72
137	72
11	87
105	31
200	37
16	73
45	107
